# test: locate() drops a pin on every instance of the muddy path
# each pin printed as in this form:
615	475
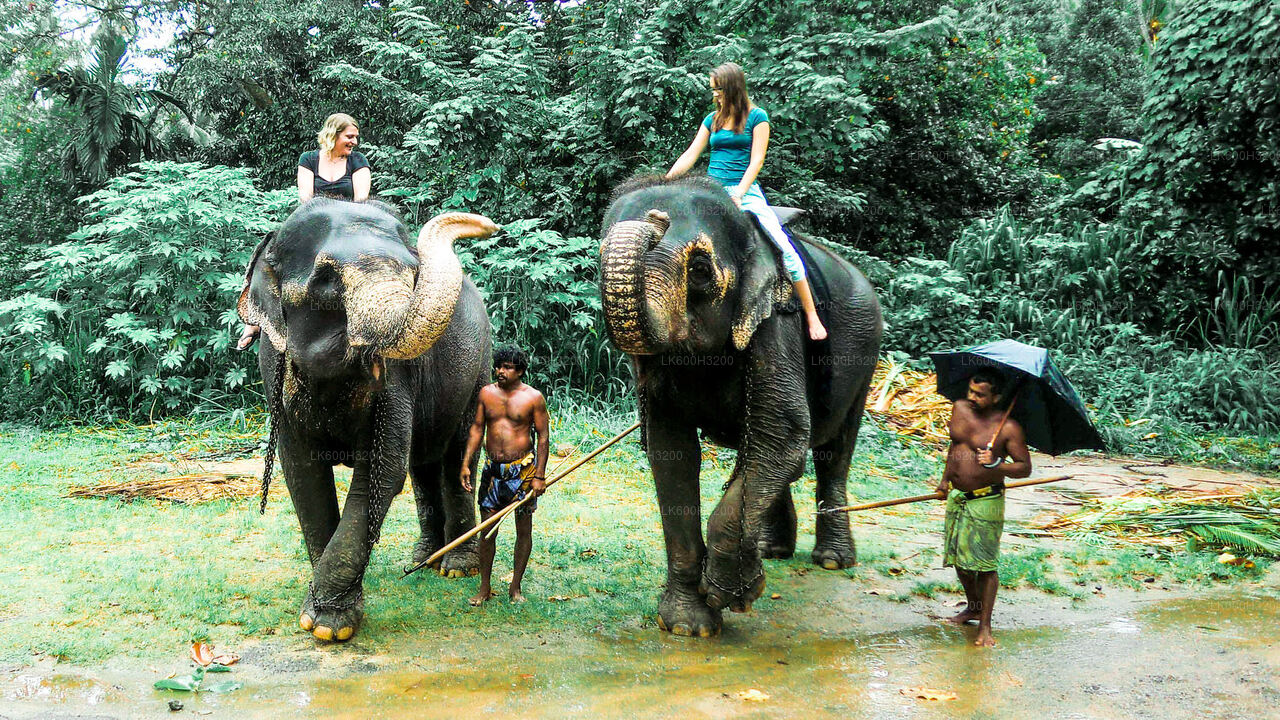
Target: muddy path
825	648
829	645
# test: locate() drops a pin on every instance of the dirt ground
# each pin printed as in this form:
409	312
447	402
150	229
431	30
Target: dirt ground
826	647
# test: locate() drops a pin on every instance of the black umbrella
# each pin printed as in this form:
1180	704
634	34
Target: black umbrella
1051	414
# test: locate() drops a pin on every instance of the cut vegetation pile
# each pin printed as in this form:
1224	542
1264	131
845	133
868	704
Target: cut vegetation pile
908	402
189	489
1247	521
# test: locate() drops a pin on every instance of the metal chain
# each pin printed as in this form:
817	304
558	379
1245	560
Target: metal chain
273	437
744	457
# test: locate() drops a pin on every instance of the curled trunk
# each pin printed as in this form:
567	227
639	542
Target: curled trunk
400	317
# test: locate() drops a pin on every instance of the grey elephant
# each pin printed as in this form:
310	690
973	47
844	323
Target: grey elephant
692	291
374	351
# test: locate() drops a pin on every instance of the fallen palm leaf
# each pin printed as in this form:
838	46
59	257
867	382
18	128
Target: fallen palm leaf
1243	522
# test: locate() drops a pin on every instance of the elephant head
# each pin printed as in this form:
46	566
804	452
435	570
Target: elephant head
340	281
681	269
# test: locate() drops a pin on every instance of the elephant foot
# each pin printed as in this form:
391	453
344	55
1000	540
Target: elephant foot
424	548
462	561
835	555
729	582
772	547
334	620
684	612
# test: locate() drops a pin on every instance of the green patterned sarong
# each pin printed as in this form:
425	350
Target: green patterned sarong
972	532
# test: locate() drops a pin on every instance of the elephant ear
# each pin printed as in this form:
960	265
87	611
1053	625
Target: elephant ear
259	302
757	280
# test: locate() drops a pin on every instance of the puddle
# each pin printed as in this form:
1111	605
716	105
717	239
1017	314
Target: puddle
1214	656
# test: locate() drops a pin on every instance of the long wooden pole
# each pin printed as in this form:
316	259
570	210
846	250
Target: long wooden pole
496	518
936	496
504	512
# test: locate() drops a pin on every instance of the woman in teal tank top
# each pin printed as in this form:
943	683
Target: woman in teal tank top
738	133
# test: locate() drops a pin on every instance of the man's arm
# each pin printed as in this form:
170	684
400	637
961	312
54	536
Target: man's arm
1016	449
474	439
541	425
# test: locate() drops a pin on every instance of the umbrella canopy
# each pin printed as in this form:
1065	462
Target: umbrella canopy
1051	414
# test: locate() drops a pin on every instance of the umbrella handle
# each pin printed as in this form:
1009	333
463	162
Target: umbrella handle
1008	410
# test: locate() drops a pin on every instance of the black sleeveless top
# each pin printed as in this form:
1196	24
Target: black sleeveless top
340	188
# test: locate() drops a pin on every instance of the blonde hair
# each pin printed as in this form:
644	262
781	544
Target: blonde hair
333	125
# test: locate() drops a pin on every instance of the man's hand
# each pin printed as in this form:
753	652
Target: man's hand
985	458
465	477
538	485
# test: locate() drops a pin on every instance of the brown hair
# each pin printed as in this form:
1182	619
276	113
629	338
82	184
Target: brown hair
734	103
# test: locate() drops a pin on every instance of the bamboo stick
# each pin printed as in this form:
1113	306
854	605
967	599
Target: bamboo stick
936	496
487	523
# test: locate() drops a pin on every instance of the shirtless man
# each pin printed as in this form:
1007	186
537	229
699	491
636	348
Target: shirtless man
975	471
507	412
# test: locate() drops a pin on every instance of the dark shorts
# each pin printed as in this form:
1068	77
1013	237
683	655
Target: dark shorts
504	483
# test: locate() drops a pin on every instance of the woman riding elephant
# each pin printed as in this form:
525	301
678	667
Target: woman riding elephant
336	170
738	133
373	356
694	293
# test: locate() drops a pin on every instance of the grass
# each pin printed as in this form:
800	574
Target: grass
87	580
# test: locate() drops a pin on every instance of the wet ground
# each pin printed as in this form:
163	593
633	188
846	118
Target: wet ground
826	648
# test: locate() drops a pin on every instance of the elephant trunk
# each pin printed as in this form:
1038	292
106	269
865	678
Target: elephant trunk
643	295
400	317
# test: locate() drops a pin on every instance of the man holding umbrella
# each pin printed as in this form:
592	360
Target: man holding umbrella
982	437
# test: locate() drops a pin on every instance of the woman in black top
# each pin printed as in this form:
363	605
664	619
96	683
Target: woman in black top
335	170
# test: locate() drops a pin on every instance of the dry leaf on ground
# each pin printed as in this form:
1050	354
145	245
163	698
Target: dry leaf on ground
751	695
923	693
201	653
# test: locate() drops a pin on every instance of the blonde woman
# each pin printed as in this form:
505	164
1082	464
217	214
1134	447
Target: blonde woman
336	170
738	133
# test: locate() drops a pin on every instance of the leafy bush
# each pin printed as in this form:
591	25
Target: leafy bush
135	312
540	290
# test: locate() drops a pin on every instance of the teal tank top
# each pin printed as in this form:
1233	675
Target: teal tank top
731	151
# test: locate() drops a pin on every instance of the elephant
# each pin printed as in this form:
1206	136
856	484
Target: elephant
373	356
693	292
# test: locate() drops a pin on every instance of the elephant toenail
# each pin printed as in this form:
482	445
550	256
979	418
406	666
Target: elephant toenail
662	625
306	622
346	633
706	632
830	564
323	633
682	629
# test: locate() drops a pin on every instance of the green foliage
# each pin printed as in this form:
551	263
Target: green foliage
540	291
111	127
136	310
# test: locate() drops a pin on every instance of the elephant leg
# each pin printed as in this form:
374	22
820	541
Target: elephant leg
675	456
311	488
426	495
459	511
834	548
770	457
336	597
777	539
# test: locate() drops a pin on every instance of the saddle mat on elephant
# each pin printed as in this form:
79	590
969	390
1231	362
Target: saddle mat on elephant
813	273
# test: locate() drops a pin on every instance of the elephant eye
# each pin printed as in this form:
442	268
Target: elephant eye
701	273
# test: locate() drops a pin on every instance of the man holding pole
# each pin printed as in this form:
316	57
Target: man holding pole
507	413
982	437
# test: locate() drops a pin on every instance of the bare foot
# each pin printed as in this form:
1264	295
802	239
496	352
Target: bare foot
816	329
517	596
984	638
969	613
481	597
247	337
